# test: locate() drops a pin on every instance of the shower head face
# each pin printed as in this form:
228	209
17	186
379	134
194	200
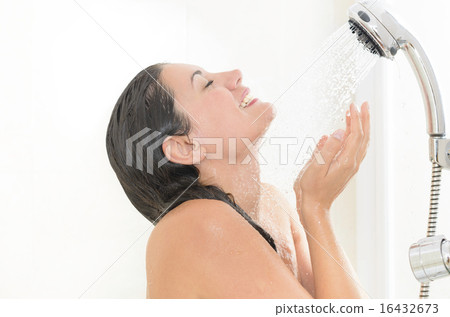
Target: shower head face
381	34
365	38
371	23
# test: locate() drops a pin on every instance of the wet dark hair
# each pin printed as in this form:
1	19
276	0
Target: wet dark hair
147	103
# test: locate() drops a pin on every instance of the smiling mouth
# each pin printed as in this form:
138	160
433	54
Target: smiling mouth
246	101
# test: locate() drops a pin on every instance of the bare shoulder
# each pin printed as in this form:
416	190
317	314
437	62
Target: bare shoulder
196	218
204	248
203	226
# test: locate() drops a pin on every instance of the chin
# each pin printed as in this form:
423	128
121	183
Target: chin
265	119
268	115
272	113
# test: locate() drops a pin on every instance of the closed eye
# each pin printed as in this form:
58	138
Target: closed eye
209	83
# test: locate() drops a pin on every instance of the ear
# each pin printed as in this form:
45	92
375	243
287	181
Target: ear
179	149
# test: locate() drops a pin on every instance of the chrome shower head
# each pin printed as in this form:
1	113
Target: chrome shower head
375	28
381	34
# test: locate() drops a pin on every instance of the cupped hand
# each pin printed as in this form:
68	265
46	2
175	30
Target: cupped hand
334	161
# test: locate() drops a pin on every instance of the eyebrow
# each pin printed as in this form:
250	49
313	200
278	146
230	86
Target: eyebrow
197	72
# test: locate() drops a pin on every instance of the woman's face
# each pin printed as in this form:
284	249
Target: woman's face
212	102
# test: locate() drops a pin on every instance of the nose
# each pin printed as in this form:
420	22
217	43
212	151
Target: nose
233	79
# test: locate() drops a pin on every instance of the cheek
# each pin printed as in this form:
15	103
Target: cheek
220	116
221	101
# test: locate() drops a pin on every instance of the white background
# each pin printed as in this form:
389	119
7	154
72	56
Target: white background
64	219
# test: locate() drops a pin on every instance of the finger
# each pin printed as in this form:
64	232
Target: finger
329	150
348	157
316	153
365	116
348	122
322	142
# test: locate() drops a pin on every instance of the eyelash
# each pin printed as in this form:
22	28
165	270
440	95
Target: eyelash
209	83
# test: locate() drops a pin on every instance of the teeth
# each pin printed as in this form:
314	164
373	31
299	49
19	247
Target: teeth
246	100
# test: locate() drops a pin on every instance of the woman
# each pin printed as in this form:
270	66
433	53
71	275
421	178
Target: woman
220	232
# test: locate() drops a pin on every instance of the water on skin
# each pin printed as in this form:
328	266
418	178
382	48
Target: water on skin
285	248
274	218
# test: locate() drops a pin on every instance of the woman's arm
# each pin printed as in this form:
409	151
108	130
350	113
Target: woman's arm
305	272
319	183
334	276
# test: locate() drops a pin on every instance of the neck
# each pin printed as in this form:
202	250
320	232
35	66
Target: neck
241	180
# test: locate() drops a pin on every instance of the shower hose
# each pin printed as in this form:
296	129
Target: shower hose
432	216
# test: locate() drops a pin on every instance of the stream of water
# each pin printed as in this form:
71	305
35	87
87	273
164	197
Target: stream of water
314	105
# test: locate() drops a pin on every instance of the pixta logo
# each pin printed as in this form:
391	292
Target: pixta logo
141	147
141	143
